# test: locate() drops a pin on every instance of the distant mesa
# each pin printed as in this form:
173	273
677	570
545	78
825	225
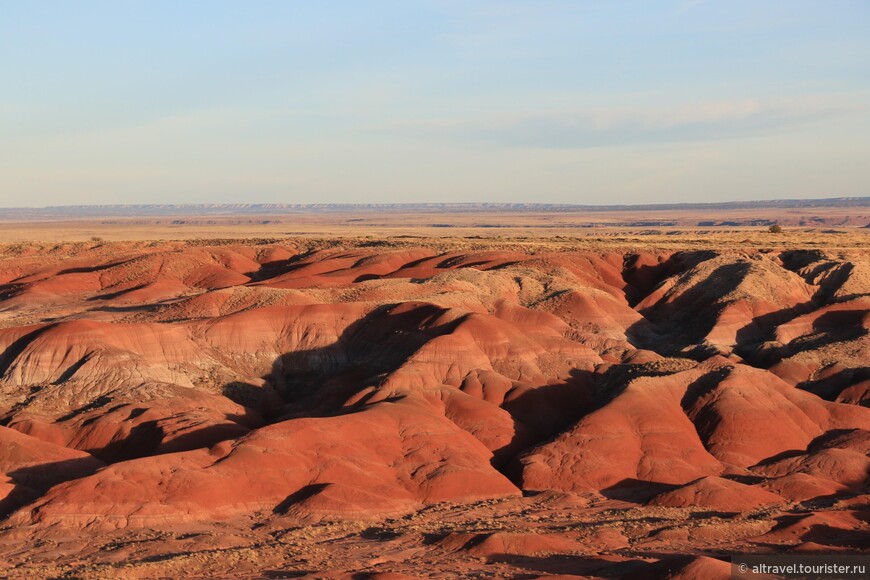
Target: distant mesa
135	210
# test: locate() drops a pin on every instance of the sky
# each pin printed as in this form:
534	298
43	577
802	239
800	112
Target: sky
389	101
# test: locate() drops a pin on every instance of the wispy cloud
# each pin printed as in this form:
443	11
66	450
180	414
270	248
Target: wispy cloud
608	126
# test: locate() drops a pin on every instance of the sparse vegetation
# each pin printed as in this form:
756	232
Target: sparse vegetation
775	229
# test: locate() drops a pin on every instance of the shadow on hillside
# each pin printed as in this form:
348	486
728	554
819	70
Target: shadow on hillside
32	481
642	280
345	375
685	320
320	382
757	345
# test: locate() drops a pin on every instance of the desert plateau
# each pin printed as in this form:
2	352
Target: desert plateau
500	289
389	398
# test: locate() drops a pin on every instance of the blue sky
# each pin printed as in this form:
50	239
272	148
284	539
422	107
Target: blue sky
392	101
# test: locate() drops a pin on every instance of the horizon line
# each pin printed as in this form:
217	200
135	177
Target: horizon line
857	200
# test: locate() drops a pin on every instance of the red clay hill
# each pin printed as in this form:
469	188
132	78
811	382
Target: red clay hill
389	409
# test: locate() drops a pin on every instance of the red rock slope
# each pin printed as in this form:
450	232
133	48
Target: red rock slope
157	388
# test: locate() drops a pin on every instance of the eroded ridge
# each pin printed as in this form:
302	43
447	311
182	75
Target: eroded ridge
294	406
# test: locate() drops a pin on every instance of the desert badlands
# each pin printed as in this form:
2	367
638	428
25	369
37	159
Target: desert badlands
421	406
